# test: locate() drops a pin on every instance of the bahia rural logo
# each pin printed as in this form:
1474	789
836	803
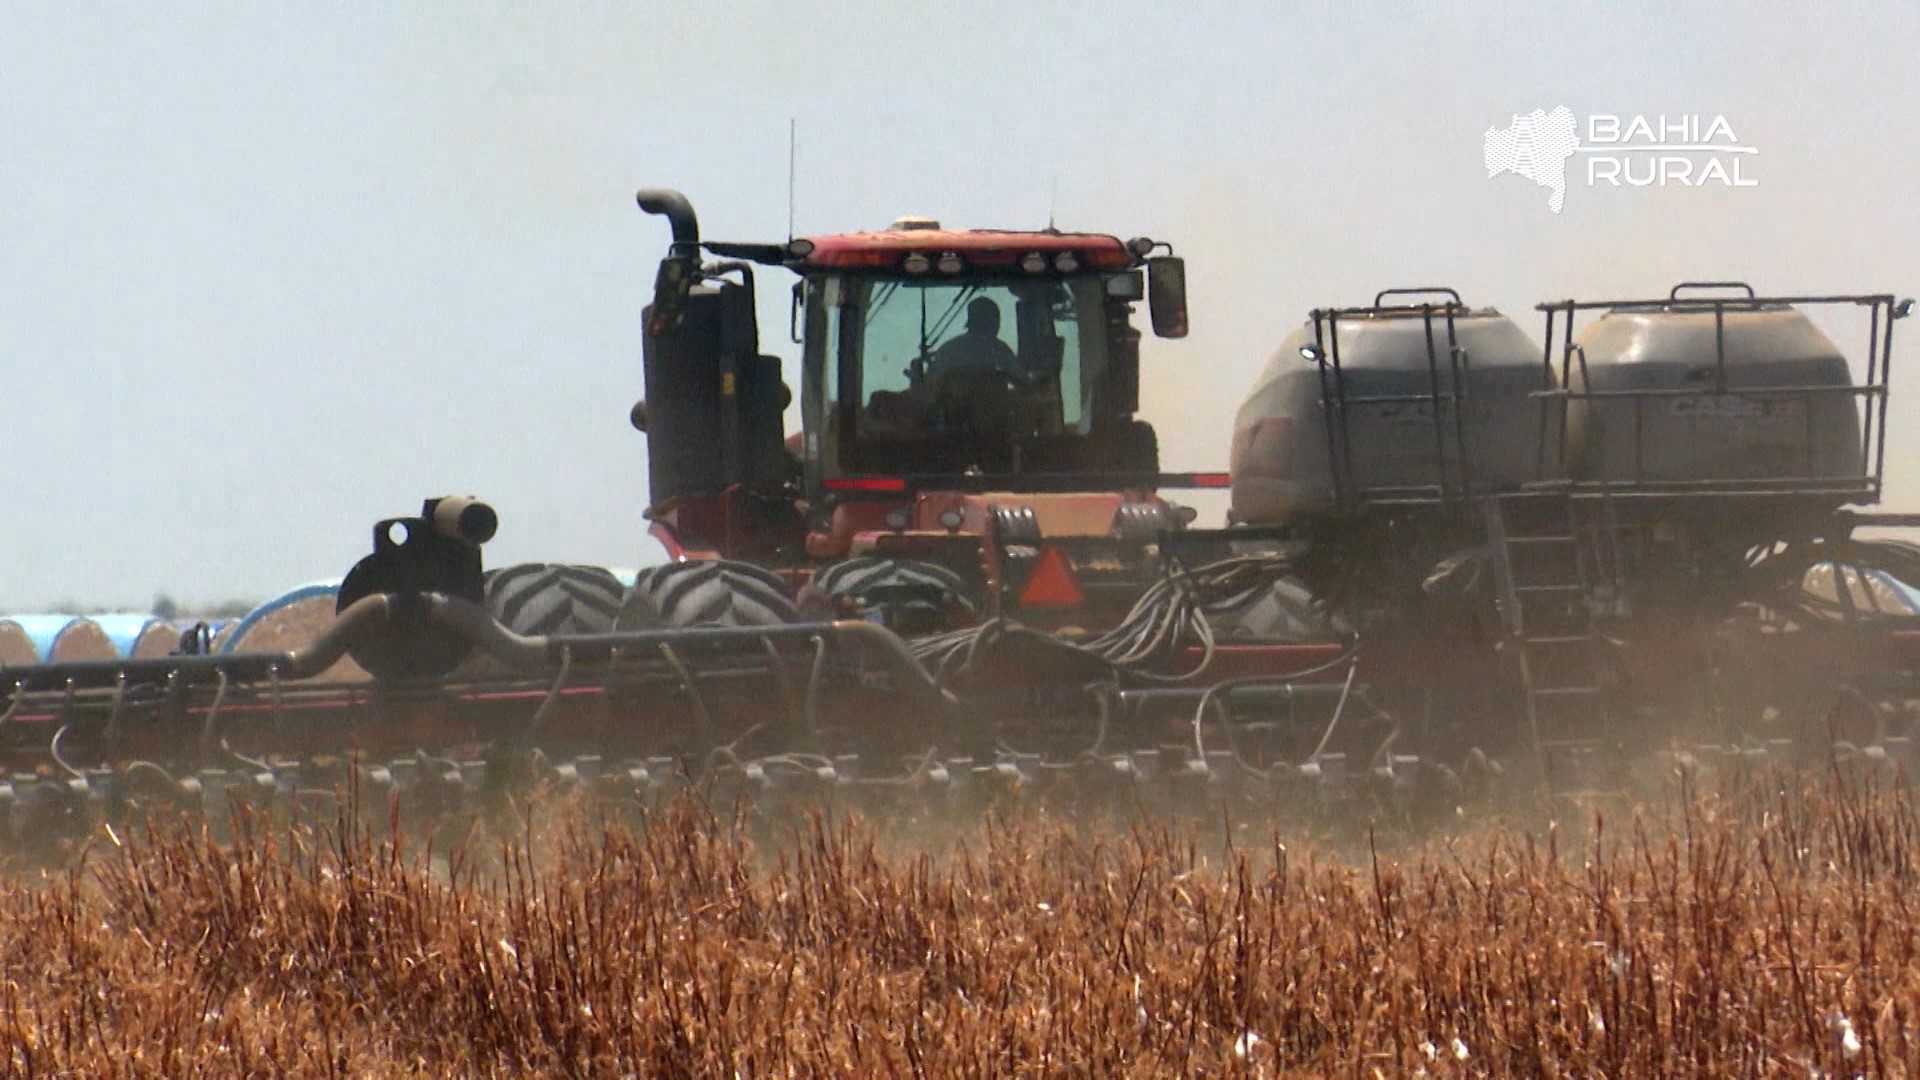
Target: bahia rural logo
1688	150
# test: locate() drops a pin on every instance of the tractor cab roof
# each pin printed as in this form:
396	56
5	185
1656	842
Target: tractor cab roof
917	246
976	246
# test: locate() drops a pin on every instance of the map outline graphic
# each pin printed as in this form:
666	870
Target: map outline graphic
1536	147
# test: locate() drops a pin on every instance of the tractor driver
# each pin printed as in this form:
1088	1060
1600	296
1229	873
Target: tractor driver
974	385
979	348
980	388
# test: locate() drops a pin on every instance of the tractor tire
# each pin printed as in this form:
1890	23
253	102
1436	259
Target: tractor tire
546	598
857	576
707	592
870	584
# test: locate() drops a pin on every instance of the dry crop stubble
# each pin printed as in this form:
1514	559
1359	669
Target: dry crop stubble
1764	932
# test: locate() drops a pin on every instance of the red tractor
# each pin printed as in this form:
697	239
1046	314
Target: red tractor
969	445
970	473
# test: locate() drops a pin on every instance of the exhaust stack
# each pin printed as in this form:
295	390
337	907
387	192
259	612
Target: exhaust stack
674	206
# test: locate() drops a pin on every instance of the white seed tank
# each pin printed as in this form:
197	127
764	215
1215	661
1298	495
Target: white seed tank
1282	463
1768	440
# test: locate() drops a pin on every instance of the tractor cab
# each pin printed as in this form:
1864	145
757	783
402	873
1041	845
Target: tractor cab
933	361
931	354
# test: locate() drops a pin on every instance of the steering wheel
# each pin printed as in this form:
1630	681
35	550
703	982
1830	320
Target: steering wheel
980	399
960	384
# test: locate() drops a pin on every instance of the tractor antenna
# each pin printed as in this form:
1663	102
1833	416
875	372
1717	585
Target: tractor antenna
1053	200
791	139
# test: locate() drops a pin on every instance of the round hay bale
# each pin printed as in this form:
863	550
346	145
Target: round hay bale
59	639
221	633
16	648
83	639
288	622
41	630
141	637
124	631
159	638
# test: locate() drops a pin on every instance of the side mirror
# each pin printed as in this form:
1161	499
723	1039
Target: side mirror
637	416
1167	296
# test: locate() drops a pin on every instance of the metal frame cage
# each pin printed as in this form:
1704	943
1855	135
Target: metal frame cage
1447	394
1561	317
1338	404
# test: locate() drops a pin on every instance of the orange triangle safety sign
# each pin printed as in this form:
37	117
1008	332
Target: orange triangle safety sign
1052	583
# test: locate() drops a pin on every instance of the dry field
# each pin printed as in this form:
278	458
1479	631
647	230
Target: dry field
1762	935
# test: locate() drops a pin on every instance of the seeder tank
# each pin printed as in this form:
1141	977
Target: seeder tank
1344	412
1755	394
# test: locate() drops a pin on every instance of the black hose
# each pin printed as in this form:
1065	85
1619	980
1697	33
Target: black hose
1166	618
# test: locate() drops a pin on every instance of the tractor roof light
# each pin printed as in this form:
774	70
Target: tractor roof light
1066	262
1034	263
1140	247
799	249
916	263
951	263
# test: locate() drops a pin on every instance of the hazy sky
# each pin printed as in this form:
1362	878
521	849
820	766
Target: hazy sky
268	275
